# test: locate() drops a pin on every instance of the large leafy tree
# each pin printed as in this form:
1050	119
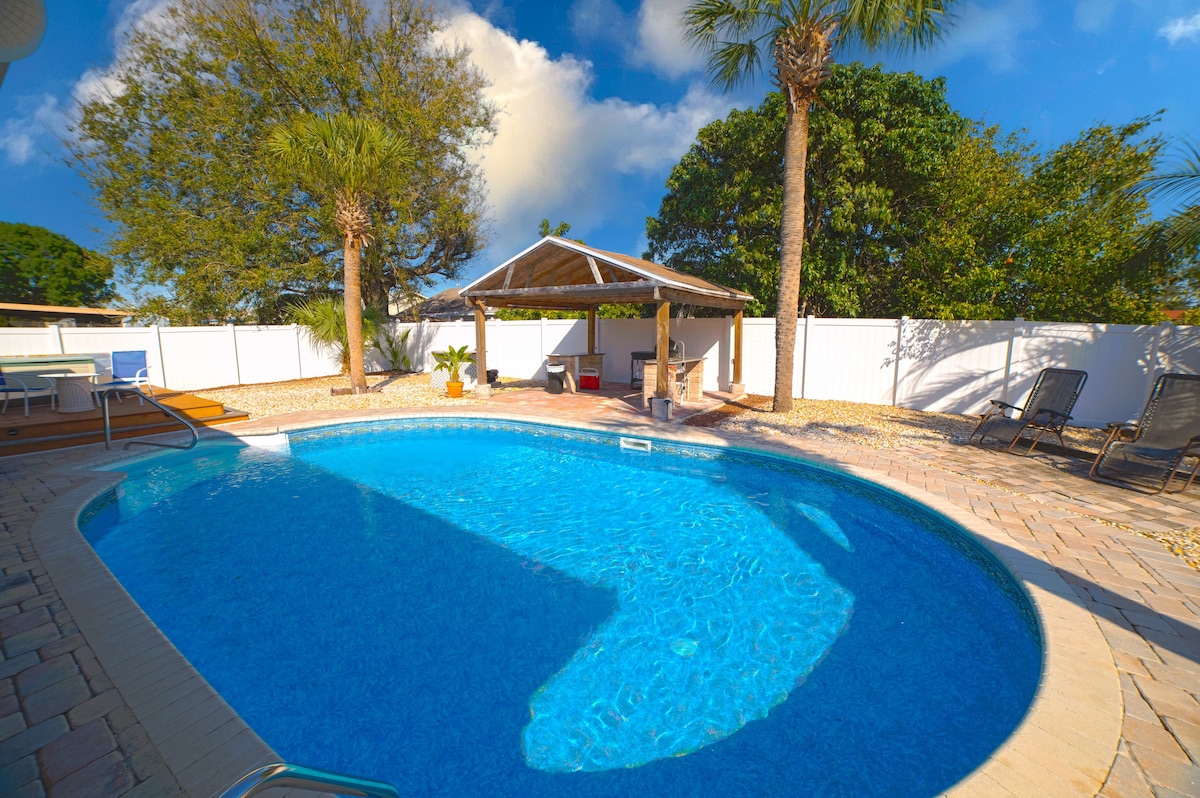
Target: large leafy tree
911	211
39	267
878	143
174	159
800	37
339	158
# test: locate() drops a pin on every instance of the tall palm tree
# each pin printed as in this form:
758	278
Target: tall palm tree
801	37
350	159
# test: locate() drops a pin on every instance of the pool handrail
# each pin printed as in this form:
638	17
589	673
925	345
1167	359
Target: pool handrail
109	392
282	774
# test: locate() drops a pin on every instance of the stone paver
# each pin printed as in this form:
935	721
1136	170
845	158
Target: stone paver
67	726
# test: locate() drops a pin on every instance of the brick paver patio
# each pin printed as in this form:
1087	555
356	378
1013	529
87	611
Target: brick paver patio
93	702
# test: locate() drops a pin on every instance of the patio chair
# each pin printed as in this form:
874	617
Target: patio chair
10	385
128	368
1149	454
1048	409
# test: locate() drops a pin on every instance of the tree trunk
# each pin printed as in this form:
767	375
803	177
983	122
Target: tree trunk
351	266
791	242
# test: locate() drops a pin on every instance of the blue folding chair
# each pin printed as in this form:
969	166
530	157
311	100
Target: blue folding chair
128	368
11	385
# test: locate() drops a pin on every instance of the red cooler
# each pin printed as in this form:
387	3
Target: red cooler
589	379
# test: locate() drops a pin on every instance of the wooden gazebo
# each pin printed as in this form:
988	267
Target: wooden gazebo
558	274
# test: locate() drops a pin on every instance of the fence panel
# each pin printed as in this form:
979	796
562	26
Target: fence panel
1117	358
952	366
28	341
267	354
850	359
199	357
1179	350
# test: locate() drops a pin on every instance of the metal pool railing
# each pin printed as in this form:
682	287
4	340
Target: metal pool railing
108	394
282	774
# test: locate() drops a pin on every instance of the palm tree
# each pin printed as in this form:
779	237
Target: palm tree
351	159
1178	182
801	36
324	317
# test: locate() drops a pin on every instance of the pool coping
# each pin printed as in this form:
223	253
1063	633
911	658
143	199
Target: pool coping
1065	745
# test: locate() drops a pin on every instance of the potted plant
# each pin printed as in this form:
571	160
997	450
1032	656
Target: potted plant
451	360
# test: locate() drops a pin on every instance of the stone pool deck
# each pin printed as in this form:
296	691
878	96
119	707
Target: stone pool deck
95	702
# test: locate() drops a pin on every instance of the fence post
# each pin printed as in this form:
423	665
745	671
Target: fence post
56	340
237	365
809	324
299	353
1017	332
1152	360
899	350
162	361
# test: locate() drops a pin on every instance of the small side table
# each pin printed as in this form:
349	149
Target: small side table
74	391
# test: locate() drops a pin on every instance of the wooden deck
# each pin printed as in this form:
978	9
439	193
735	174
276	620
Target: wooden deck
45	429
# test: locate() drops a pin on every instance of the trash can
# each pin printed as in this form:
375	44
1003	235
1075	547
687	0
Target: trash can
555	377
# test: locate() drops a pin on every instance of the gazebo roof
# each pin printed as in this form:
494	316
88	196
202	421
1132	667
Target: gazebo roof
558	274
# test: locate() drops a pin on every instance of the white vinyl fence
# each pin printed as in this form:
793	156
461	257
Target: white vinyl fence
952	367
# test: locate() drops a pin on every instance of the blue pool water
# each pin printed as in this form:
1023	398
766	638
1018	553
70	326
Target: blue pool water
469	608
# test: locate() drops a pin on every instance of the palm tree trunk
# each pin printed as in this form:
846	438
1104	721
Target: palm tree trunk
791	243
352	268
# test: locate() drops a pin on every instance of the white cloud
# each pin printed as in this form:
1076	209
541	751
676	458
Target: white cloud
990	32
25	138
1181	29
661	44
557	152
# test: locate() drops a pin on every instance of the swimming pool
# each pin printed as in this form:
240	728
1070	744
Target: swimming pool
788	628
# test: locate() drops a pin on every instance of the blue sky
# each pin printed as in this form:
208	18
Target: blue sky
599	98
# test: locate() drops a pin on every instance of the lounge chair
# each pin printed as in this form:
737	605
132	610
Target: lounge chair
128	369
1149	454
10	385
1048	409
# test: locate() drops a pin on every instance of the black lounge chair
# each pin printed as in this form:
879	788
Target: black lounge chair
1149	454
1048	409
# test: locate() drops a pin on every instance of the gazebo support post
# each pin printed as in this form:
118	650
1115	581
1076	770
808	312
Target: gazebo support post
483	389
662	351
592	330
737	387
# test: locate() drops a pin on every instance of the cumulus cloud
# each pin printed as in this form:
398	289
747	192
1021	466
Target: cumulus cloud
557	151
35	132
661	44
1182	29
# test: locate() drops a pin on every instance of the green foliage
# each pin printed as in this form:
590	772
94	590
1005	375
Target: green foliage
1177	182
38	267
452	360
878	142
324	320
393	346
175	159
912	211
340	153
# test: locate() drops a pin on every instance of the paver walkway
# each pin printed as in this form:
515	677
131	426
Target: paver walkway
66	731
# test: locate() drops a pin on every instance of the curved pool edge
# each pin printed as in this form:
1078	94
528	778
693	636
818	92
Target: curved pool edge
1065	745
